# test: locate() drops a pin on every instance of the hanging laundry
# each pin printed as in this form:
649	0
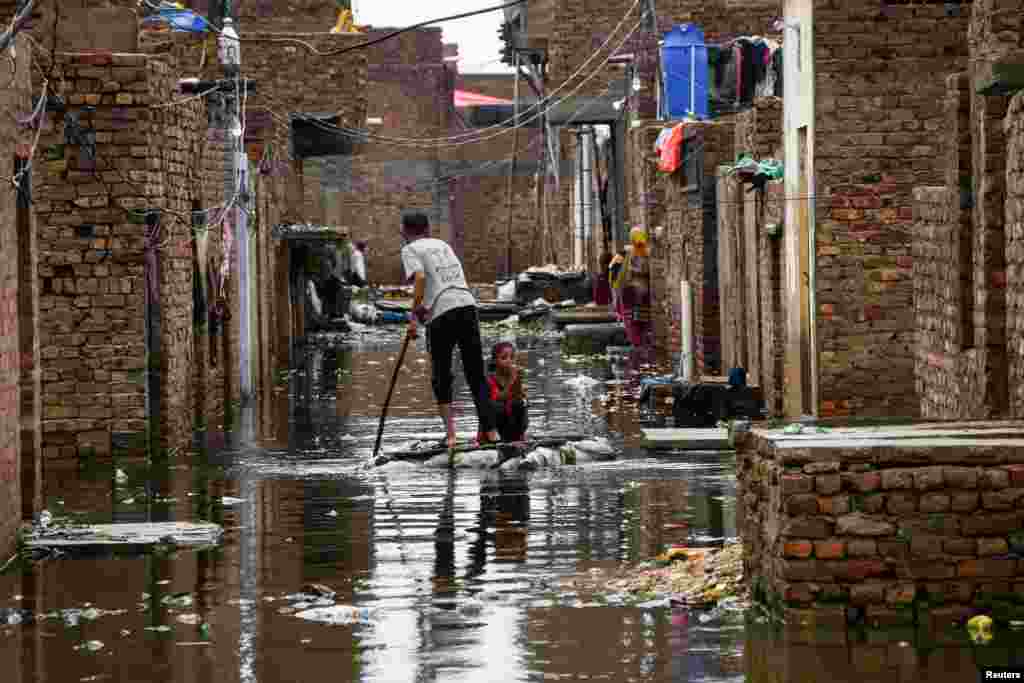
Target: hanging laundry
722	63
663	136
757	173
777	69
672	150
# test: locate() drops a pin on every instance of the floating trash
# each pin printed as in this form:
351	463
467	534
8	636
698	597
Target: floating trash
980	629
228	500
582	382
338	615
332	513
178	601
470	608
120	477
793	429
158	629
190	619
90	646
348	437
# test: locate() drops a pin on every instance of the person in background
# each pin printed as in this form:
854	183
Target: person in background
508	396
615	280
602	281
357	274
443	301
634	283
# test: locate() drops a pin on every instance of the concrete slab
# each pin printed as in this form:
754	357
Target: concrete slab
687	439
127	535
810	437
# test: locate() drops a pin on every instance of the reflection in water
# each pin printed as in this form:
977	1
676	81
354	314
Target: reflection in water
460	569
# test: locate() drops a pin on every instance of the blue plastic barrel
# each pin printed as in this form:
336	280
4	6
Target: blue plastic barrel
684	67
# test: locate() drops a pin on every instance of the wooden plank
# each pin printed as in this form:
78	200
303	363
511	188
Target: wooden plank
121	535
577	316
686	439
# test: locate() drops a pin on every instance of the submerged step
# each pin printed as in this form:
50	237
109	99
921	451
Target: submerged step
687	439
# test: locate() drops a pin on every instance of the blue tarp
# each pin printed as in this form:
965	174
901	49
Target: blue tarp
179	20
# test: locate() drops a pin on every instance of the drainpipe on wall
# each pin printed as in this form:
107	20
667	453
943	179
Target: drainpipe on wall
231	60
577	251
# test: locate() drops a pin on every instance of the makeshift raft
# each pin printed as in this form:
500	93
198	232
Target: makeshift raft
137	536
546	451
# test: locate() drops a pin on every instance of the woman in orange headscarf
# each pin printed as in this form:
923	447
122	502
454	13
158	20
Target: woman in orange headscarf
634	283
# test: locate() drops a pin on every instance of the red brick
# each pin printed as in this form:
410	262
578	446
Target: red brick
798	549
986	568
856	570
829	550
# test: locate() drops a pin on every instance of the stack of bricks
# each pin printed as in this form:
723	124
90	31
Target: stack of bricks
876	131
884	534
14	103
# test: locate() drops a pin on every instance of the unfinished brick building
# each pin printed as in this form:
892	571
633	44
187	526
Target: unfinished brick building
817	284
19	384
967	262
144	326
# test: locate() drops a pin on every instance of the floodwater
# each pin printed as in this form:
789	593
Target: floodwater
455	574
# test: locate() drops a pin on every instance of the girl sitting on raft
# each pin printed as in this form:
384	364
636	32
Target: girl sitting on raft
507	393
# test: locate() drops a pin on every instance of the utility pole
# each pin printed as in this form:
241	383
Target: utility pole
237	193
512	170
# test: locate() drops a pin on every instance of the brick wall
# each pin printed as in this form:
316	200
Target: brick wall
996	30
966	353
584	26
1015	251
761	323
14	102
409	88
913	527
689	220
92	331
877	124
173	133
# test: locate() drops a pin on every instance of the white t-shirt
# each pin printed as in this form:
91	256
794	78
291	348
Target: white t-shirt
446	286
358	263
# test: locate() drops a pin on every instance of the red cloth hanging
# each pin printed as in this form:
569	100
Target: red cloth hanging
672	151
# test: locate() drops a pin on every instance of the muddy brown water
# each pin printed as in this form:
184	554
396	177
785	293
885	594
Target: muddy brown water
456	574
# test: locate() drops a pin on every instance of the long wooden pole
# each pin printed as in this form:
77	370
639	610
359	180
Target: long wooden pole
391	390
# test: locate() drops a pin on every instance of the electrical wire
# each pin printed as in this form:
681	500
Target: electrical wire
359	46
363	133
539	103
363	136
18	22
